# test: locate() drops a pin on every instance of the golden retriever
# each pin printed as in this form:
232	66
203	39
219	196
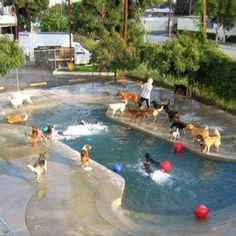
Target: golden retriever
17	118
84	154
209	141
203	131
128	96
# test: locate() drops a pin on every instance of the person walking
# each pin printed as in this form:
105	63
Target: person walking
146	92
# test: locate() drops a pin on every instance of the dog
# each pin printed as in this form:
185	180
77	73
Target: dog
128	96
172	114
178	125
149	159
46	134
180	89
34	137
40	166
157	108
84	154
208	141
118	107
17	118
137	112
174	135
197	130
18	99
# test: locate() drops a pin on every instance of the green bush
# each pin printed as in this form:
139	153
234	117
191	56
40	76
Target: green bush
217	72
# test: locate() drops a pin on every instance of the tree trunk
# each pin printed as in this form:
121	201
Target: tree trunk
115	76
189	88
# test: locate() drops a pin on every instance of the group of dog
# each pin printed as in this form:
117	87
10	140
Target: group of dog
200	134
40	166
17	100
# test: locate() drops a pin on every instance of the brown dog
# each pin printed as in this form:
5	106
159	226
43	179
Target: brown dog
209	141
84	154
137	112
34	137
128	96
203	131
16	118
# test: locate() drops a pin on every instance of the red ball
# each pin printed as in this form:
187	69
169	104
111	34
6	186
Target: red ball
165	166
201	211
178	147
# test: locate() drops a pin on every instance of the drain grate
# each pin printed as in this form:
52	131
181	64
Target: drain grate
5	229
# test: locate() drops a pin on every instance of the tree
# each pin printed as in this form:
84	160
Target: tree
27	11
11	56
184	7
179	57
54	22
222	12
112	53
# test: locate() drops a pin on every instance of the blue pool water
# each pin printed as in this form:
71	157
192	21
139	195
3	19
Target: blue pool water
193	179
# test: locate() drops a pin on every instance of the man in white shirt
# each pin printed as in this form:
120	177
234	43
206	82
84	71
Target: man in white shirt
146	92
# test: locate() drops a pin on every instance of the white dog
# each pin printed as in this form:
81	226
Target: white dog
118	107
18	99
174	135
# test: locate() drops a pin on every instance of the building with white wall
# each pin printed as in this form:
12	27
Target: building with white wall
192	23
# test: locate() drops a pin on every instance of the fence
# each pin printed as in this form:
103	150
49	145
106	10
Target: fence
53	58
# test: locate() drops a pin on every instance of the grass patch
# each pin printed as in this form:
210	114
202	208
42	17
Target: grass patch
83	68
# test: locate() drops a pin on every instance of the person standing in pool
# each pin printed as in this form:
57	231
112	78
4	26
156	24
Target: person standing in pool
146	92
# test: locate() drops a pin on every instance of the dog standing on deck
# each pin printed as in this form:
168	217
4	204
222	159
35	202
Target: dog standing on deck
40	166
118	107
34	137
208	141
18	99
84	154
174	135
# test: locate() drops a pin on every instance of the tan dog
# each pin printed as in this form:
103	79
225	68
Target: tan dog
40	166
34	137
203	131
209	141
84	154
128	96
16	118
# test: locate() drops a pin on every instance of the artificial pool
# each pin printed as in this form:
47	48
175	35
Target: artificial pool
193	180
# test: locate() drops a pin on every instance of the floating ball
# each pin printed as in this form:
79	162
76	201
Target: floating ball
178	147
117	168
201	211
45	128
89	139
165	166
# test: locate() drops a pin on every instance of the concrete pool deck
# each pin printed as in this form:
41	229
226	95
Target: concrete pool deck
67	201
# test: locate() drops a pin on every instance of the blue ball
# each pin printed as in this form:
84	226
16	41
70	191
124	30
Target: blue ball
45	128
117	168
89	139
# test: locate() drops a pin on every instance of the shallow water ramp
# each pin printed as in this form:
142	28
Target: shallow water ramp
68	200
162	132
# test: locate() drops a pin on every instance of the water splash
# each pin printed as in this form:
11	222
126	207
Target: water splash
160	177
74	131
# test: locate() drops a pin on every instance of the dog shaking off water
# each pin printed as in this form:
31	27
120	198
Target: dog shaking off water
40	166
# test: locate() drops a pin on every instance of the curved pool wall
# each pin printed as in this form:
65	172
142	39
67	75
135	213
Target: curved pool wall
175	224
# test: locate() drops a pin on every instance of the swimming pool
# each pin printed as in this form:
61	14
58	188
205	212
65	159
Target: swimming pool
193	180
